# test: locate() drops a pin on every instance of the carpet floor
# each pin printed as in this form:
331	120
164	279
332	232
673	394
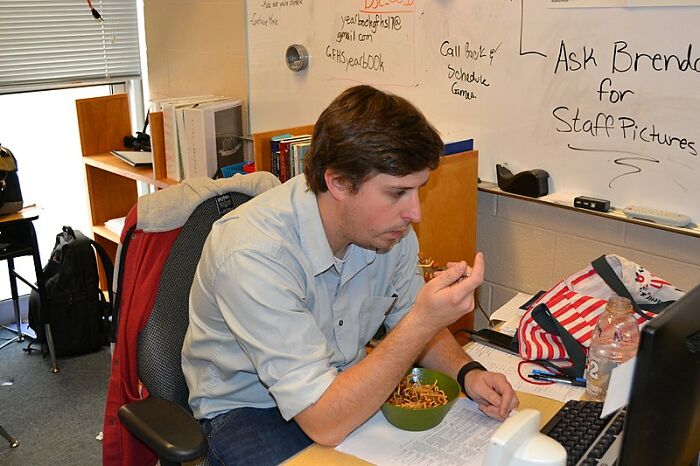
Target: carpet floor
55	417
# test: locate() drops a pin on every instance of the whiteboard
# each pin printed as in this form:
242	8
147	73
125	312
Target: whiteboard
606	100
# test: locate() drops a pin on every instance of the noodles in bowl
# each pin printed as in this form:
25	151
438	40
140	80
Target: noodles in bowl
412	394
421	400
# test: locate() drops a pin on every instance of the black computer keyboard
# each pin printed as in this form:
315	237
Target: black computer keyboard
588	439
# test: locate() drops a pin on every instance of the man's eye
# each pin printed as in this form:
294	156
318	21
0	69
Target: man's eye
398	194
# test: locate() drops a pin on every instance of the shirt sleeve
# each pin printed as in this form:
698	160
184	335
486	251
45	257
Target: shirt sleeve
262	300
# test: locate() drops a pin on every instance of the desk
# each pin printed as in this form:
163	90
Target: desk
327	456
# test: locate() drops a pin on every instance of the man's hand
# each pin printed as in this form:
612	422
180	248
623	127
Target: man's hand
492	392
450	294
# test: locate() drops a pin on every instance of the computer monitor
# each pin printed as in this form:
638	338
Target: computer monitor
662	425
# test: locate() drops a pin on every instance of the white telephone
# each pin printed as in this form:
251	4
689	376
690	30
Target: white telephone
518	442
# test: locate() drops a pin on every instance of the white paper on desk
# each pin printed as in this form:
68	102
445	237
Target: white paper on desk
510	313
461	438
499	361
619	387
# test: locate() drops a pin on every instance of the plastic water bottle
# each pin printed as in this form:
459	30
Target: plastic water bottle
615	340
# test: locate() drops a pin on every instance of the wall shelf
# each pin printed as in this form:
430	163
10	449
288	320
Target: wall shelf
105	232
614	214
112	164
112	183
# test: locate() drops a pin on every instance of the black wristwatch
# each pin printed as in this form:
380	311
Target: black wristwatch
470	366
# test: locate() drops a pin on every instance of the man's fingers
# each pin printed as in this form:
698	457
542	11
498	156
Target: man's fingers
477	270
454	272
514	403
506	403
491	411
496	398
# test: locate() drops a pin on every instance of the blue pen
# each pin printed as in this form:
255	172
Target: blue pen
576	382
552	374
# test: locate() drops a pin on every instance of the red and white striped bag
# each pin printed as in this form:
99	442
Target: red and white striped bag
576	303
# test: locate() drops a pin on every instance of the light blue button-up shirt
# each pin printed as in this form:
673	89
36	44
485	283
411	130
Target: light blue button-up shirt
273	318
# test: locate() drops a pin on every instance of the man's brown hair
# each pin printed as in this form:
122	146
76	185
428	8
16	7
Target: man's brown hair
364	132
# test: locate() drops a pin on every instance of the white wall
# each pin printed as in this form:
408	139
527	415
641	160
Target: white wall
531	246
196	47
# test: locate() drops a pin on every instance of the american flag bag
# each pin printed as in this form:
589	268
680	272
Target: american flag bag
559	324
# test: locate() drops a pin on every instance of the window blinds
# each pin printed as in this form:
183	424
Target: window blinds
47	44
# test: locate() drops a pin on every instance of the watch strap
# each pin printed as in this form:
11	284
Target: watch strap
468	367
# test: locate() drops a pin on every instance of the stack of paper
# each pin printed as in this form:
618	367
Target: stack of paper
461	438
115	225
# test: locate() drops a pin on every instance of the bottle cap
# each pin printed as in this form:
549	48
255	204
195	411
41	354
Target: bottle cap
619	305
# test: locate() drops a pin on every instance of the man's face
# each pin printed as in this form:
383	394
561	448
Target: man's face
379	214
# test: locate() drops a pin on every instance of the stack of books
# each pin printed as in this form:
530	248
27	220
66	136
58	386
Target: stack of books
201	134
287	154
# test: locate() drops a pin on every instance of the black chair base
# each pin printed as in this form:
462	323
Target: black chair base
18	338
14	443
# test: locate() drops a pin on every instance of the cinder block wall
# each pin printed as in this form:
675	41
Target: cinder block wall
530	246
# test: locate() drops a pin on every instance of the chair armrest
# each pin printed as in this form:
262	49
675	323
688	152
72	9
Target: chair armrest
166	428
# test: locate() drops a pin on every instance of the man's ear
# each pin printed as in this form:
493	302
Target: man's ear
338	186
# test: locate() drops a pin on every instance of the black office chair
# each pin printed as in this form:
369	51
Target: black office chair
164	421
14	443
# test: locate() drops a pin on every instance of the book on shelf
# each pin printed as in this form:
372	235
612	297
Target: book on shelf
134	158
457	147
172	109
212	137
285	156
298	151
275	152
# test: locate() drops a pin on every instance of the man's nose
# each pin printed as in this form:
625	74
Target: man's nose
412	211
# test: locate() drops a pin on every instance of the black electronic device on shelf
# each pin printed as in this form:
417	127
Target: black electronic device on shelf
530	183
140	142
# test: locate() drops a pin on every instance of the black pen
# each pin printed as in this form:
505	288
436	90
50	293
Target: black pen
560	379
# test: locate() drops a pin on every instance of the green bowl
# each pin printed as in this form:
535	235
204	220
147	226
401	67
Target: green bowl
425	418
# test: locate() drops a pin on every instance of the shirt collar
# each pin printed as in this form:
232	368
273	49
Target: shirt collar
313	236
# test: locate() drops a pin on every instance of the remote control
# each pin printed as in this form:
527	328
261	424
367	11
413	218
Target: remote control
657	215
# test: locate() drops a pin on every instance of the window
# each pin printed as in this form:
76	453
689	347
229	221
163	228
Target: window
41	129
59	48
58	43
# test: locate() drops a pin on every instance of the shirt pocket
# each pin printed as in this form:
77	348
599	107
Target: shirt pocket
373	313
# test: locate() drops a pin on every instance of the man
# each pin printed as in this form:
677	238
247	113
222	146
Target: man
293	284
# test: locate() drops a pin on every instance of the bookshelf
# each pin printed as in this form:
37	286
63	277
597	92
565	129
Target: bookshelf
447	230
111	183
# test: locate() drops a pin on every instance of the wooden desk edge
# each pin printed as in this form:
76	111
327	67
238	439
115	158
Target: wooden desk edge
30	212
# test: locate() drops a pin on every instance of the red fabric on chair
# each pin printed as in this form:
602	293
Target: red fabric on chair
143	266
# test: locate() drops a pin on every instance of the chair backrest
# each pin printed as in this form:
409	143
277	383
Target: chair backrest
160	343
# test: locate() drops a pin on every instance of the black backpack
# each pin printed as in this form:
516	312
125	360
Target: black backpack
78	311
